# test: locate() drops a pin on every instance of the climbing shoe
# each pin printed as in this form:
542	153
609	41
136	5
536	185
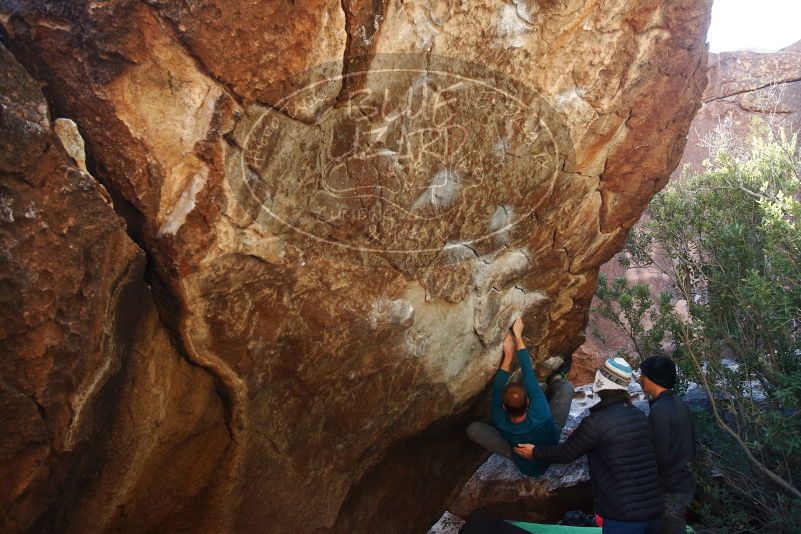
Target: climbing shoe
561	372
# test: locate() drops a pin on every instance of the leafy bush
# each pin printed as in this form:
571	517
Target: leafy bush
729	240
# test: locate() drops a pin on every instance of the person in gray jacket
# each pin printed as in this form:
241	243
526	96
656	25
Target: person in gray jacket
674	441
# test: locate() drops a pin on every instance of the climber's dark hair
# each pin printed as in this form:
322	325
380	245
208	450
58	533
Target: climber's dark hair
515	400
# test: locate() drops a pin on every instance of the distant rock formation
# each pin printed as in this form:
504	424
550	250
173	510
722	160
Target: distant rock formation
338	208
750	91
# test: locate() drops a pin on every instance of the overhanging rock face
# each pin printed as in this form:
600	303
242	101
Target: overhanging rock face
345	205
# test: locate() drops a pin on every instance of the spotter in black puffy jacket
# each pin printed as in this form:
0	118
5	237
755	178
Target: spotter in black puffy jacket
616	437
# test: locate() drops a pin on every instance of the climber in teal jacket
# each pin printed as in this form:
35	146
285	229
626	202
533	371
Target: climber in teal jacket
523	413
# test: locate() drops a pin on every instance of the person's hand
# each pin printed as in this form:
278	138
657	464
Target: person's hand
508	353
517	328
526	450
508	346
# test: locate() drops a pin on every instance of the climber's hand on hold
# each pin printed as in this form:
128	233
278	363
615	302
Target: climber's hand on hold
508	346
526	450
508	352
517	328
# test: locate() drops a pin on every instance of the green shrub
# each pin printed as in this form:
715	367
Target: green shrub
729	241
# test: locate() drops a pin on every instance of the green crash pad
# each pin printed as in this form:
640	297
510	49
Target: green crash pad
555	529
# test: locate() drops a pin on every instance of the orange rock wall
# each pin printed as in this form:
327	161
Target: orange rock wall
343	206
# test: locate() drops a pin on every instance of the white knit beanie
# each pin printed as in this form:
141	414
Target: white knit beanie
615	373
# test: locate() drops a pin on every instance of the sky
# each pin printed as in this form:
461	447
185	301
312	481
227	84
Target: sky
761	25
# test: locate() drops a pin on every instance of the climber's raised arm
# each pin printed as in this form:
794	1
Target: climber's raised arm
538	404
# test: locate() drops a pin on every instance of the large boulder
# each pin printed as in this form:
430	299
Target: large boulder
344	206
99	411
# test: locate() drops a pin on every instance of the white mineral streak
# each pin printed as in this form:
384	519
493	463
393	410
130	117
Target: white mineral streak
6	209
186	203
444	188
391	311
82	397
67	132
513	25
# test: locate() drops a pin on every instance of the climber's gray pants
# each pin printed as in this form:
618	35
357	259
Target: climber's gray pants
559	395
488	437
